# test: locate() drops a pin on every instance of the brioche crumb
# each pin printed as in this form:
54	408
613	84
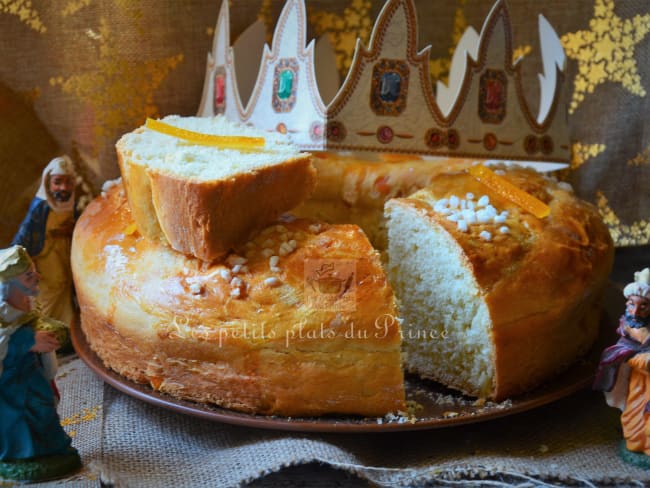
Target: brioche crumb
438	294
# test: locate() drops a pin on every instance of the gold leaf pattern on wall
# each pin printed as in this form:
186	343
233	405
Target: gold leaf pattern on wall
73	6
343	30
581	153
606	51
27	14
623	235
439	67
642	158
521	52
119	91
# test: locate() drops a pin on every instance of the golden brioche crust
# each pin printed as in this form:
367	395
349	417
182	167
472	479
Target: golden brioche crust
542	280
216	216
270	343
370	183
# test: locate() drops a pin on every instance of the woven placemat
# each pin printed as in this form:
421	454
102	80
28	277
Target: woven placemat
126	442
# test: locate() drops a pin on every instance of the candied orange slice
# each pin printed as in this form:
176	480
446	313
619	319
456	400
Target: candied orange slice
130	229
241	143
507	190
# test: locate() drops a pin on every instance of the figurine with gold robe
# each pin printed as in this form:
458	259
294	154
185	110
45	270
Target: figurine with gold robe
46	234
624	370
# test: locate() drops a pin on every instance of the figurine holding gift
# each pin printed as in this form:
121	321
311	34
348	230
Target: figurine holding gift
46	233
624	370
33	445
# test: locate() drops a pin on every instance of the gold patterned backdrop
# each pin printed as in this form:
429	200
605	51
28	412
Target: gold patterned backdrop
76	74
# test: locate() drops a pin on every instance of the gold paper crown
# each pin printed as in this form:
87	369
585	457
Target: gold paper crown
386	103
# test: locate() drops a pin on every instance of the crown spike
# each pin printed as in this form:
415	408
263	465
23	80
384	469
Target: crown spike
467	48
553	61
286	97
382	99
387	37
495	46
216	58
293	14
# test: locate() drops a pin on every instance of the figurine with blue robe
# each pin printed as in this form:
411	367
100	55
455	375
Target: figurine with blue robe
33	445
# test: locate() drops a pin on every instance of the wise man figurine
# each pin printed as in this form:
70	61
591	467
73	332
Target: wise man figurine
33	445
624	371
46	234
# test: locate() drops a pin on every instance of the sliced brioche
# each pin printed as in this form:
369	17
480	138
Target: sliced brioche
495	310
203	200
276	334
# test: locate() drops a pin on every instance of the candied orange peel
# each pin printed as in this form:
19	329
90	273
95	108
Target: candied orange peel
240	143
130	229
505	189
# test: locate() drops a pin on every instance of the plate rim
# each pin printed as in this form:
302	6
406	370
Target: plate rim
343	424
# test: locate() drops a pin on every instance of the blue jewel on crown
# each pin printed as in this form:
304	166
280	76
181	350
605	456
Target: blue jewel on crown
390	86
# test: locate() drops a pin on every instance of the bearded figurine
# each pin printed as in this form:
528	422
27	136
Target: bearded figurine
624	371
46	233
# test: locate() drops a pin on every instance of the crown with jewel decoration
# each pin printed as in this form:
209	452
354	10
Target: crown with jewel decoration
386	102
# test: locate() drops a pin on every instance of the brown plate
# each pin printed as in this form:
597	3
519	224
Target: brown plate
436	406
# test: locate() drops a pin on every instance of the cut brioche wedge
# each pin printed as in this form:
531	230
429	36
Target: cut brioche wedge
446	324
202	199
494	299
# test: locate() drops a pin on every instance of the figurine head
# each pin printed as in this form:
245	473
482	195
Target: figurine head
637	293
57	185
18	274
60	187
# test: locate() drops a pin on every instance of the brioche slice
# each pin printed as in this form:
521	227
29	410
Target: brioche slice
495	300
203	200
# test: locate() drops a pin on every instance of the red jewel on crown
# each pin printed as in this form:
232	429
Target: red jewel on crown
385	134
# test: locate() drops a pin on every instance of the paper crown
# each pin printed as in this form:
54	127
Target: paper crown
386	102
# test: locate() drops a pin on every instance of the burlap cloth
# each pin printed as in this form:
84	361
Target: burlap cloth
127	442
